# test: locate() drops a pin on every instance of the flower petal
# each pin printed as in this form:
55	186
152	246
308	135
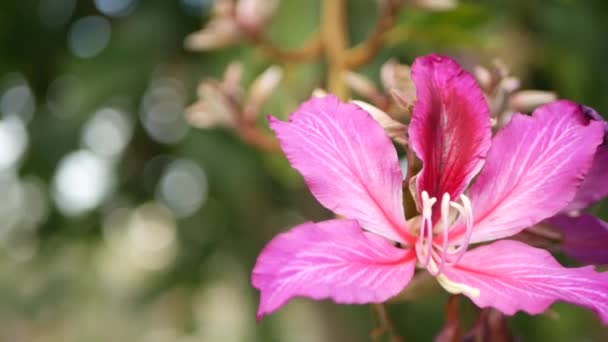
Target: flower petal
595	185
533	169
511	276
450	127
585	237
348	162
331	259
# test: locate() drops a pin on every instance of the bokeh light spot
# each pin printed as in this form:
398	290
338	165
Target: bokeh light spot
183	187
17	97
162	111
13	141
82	181
88	36
108	132
115	8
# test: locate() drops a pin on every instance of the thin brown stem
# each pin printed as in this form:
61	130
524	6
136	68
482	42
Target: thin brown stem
367	50
254	136
309	51
385	325
335	43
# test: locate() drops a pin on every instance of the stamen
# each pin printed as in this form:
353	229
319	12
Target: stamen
466	212
429	230
445	217
426	227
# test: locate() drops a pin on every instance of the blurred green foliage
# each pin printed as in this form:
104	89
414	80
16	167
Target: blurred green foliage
79	278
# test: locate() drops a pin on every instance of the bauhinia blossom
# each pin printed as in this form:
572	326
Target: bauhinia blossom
529	171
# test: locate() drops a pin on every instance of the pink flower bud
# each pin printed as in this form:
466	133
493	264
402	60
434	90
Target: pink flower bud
397	80
527	100
483	77
395	129
254	14
217	34
362	85
213	108
261	88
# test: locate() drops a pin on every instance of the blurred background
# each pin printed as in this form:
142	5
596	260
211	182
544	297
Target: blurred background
119	221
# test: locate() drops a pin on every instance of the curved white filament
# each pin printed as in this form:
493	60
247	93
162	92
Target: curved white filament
425	244
426	228
445	221
466	212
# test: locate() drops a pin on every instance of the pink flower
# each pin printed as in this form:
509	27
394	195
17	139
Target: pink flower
526	173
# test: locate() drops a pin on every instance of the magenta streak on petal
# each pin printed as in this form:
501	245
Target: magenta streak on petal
511	276
585	237
450	127
532	171
348	162
333	259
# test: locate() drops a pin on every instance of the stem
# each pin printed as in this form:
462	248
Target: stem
253	136
309	51
367	50
385	324
333	35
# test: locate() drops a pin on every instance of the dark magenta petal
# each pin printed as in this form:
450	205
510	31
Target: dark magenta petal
450	127
585	237
332	259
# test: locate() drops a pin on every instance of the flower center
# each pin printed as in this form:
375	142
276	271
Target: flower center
435	255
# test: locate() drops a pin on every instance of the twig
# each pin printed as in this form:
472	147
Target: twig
309	51
385	325
366	50
252	135
335	43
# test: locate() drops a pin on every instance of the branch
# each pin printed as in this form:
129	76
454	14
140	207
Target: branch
367	50
309	51
335	44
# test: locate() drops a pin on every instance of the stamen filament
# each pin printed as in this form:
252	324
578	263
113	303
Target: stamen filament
466	212
441	255
426	228
445	217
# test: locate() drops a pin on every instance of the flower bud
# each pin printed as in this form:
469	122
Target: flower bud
362	85
509	84
261	88
222	8
254	14
527	100
483	77
217	34
233	75
397	79
394	129
213	108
